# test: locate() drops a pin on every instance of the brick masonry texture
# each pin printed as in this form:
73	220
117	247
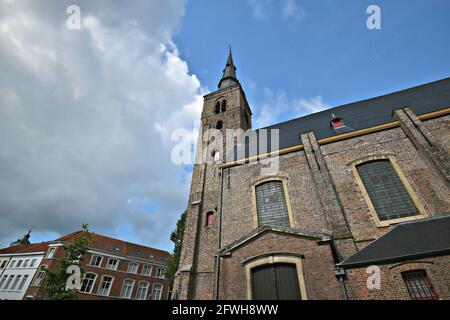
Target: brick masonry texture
324	198
392	286
317	266
106	244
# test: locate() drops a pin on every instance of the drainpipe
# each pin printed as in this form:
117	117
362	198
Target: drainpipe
339	272
219	238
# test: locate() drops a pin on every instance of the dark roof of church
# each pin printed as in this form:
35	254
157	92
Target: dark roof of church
429	237
362	114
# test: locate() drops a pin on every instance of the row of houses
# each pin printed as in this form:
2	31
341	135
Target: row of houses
114	269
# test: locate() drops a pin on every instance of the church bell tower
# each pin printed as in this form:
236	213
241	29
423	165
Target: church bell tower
226	108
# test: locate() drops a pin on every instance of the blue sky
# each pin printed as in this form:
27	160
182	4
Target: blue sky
86	115
324	48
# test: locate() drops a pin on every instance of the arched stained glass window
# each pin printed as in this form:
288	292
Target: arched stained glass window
271	204
386	191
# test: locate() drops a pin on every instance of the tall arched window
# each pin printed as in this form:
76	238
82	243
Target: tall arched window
217	108
387	191
219	125
224	105
271	204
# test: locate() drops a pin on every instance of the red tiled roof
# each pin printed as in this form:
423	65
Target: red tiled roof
107	243
25	248
99	242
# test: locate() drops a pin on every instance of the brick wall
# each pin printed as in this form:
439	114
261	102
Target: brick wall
119	276
326	199
392	285
318	264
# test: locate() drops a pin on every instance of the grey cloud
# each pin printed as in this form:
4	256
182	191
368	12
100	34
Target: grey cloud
78	115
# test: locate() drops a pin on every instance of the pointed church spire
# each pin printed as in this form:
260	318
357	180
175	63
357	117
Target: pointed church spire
229	73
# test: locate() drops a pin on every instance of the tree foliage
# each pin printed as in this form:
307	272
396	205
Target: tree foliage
177	238
55	281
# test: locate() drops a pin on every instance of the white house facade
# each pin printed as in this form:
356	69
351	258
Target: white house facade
18	273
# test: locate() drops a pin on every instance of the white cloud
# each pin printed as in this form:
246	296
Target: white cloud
273	106
287	9
291	10
307	106
85	117
260	8
277	107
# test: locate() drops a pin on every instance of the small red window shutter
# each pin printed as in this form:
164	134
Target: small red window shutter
210	219
337	123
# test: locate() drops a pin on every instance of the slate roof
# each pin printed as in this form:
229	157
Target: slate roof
229	74
421	99
428	237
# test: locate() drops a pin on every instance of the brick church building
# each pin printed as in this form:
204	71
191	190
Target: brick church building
359	207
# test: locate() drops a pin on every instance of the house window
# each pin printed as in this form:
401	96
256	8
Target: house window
2	280
22	283
386	191
157	291
210	219
19	263
50	253
40	275
127	288
217	108
96	261
25	263
88	282
160	273
224	105
132	267
112	264
142	291
3	264
8	282
33	262
419	285
219	125
13	263
117	248
105	286
271	204
147	270
16	280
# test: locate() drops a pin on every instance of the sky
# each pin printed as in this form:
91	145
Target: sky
86	115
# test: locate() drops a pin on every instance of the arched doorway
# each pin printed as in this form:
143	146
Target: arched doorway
278	281
275	275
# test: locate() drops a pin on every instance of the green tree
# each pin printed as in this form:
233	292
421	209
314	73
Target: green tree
55	281
177	238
